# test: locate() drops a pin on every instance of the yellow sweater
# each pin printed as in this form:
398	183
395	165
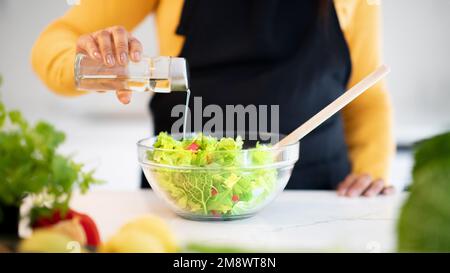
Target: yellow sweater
367	120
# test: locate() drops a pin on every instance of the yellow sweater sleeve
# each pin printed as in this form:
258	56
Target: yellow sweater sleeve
53	54
368	119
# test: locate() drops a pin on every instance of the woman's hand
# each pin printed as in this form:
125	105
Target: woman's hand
363	185
113	45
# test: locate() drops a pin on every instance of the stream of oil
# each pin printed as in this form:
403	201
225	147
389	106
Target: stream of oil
186	109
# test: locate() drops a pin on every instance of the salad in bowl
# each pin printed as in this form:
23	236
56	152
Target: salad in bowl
202	177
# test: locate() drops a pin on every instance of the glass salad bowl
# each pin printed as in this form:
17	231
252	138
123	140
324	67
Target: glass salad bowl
202	177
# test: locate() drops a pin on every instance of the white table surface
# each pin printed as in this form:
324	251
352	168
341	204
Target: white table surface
295	221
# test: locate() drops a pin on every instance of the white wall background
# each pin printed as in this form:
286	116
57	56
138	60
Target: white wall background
103	133
417	46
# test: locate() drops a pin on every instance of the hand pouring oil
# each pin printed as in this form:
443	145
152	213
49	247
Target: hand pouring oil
160	75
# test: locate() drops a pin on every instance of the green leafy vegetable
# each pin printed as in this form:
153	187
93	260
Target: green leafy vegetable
220	182
424	222
30	165
205	248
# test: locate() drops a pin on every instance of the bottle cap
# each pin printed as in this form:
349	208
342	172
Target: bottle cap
178	74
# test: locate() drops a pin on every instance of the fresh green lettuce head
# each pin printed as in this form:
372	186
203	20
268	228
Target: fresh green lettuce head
424	223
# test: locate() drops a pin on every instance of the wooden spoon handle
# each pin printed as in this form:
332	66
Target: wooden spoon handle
335	106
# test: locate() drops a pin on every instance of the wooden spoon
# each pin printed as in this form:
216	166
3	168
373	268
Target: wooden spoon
335	106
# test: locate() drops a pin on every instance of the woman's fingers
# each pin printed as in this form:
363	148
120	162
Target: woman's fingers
88	45
388	190
124	96
104	41
112	45
120	39
375	188
343	186
356	185
135	49
359	186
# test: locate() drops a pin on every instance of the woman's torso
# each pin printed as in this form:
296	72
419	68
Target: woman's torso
269	53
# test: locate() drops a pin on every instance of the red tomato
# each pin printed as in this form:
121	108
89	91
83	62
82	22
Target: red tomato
193	147
215	213
235	198
214	192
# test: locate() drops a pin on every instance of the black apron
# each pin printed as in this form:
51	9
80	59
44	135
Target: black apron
269	52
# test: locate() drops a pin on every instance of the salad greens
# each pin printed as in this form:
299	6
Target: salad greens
424	221
225	185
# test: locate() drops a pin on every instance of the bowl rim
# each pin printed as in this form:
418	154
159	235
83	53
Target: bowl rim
270	148
278	164
275	165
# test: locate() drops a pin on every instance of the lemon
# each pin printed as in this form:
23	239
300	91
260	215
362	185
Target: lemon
132	241
50	242
155	226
